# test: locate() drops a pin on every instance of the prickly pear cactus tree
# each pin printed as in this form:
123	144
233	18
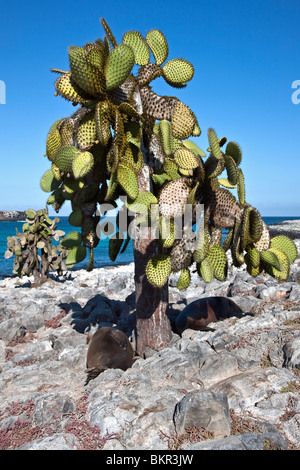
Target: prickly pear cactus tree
36	255
125	140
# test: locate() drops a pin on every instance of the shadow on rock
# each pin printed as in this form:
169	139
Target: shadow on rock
100	311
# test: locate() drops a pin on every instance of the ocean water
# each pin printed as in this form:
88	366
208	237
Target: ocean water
101	257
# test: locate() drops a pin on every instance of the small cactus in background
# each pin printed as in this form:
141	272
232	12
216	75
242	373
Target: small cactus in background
35	253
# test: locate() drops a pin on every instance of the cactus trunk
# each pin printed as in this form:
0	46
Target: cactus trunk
153	328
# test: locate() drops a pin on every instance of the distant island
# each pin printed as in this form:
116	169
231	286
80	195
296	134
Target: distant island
12	216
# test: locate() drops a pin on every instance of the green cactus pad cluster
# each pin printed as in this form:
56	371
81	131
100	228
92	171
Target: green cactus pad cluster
122	133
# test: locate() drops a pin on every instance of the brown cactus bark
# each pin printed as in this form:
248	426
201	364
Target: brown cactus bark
153	329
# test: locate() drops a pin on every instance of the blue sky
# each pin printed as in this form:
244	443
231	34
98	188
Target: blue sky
246	56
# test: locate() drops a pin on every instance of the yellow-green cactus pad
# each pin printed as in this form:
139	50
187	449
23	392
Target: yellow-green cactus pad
206	271
142	203
241	187
171	168
64	158
228	240
189	144
281	274
135	40
76	255
68	89
234	150
186	159
158	45
87	76
48	182
71	239
245	228
252	270
158	270
53	143
103	122
56	172
87	134
213	167
165	134
56	197
231	168
118	66
183	121
184	279
96	57
286	245
82	163
270	257
133	132
214	143
75	218
256	225
253	256
178	71
69	188
202	247
128	180
218	260
168	232
224	182
133	158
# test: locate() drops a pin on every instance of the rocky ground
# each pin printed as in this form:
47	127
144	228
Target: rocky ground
234	387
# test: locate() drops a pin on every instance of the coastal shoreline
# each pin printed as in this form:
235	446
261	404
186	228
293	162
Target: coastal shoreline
12	216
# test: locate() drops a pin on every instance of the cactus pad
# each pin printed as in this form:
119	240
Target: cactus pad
86	76
48	182
139	46
218	261
64	158
158	45
128	180
87	134
178	71
53	143
82	163
186	159
184	279
76	255
183	121
118	66
286	245
68	89
158	270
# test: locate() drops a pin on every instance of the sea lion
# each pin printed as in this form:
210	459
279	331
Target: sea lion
198	314
109	348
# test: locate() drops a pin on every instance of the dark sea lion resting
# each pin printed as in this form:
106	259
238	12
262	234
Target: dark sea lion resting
198	314
109	348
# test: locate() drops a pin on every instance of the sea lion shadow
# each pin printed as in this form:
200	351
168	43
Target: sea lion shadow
102	311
